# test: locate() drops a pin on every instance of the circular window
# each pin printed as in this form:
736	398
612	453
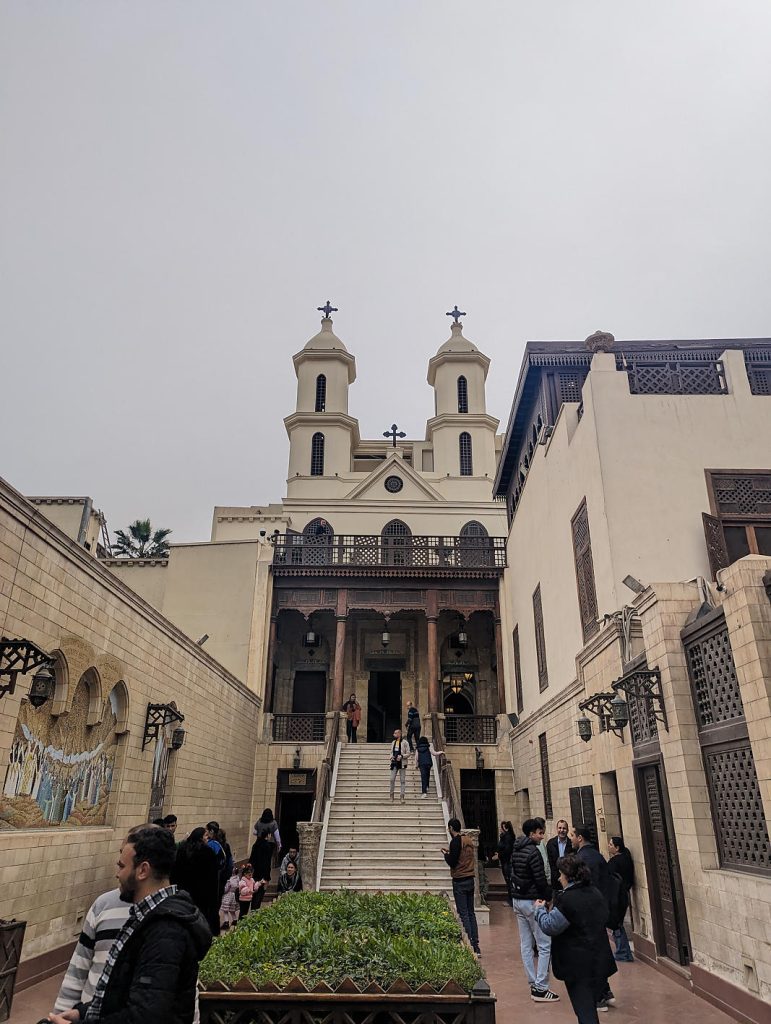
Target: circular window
394	484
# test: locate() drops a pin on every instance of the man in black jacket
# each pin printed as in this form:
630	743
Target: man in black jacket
558	846
528	884
152	967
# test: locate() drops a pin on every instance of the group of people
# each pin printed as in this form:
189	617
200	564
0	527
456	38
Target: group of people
566	896
138	952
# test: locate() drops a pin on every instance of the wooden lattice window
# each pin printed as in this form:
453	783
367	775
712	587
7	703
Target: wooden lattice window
738	816
317	455
543	753
462	394
517	671
540	640
466	461
673	373
582	554
321	392
758	365
741	523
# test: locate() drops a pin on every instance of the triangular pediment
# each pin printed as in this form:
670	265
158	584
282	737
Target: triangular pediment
414	487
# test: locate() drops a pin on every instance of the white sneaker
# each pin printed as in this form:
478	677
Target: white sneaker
423	796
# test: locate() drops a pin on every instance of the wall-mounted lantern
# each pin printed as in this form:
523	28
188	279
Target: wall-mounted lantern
158	717
297	759
610	708
644	685
480	758
21	656
178	738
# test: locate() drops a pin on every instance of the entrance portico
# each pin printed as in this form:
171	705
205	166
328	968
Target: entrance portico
350	623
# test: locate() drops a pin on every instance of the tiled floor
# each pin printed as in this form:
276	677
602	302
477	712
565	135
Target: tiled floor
643	995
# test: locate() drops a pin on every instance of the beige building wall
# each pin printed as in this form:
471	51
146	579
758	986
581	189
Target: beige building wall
56	595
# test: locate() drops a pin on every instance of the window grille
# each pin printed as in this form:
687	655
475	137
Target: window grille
738	817
742	524
462	394
758	364
582	554
317	455
517	671
540	640
473	529
543	752
673	373
466	462
569	385
321	393
397	549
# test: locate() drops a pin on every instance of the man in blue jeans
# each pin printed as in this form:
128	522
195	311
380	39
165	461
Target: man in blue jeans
528	884
460	860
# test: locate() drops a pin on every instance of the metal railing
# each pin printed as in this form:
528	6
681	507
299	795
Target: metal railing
446	775
470	728
324	777
299	728
397	553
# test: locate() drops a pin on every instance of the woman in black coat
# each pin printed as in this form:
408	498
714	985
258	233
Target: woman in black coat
580	951
620	863
197	872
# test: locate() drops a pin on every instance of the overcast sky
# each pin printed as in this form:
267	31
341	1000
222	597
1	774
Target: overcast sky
182	184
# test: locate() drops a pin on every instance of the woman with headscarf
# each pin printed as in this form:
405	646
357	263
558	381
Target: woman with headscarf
197	872
267	842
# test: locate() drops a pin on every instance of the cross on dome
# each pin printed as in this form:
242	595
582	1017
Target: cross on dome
456	314
329	308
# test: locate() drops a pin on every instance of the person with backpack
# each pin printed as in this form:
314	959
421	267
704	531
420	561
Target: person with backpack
459	857
425	758
579	944
621	865
218	842
413	724
528	884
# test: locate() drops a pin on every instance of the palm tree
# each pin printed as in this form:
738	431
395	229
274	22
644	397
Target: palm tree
142	541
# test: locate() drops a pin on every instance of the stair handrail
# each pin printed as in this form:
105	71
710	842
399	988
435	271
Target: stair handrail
324	785
446	773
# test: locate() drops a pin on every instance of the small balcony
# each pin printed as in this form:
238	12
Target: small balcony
474	729
373	554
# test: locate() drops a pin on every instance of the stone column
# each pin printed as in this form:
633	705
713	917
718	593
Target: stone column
310	840
432	616
339	678
268	706
499	660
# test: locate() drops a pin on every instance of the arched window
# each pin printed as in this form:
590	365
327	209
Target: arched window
473	529
317	528
462	394
317	455
397	548
321	393
466	462
473	545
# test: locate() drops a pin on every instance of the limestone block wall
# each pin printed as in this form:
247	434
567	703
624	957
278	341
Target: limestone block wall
58	596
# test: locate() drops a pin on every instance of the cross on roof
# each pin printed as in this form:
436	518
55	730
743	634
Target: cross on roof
326	310
393	433
456	314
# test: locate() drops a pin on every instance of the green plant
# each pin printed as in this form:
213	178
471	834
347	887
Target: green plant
142	541
332	936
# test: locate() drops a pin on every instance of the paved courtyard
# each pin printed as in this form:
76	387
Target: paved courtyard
643	995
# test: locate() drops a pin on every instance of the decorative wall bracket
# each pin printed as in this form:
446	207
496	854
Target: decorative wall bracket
19	656
610	708
157	718
645	684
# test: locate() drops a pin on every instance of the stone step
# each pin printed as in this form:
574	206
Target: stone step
436	890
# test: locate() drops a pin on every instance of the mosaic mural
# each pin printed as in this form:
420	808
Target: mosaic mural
61	769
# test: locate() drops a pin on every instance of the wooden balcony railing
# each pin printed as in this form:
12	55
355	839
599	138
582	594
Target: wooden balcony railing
299	728
470	728
397	554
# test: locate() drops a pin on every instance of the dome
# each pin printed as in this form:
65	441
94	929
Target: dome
456	342
326	339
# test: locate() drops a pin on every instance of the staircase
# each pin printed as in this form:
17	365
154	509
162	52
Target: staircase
371	844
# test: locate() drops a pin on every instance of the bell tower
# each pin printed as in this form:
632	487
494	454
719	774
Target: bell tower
461	432
321	433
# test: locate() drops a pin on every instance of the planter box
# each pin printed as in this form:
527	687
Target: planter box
243	1004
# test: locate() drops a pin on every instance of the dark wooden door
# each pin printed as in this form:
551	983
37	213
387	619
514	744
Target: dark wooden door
582	809
477	801
309	696
160	775
660	858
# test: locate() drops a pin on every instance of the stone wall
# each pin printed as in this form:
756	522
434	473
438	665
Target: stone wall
58	596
